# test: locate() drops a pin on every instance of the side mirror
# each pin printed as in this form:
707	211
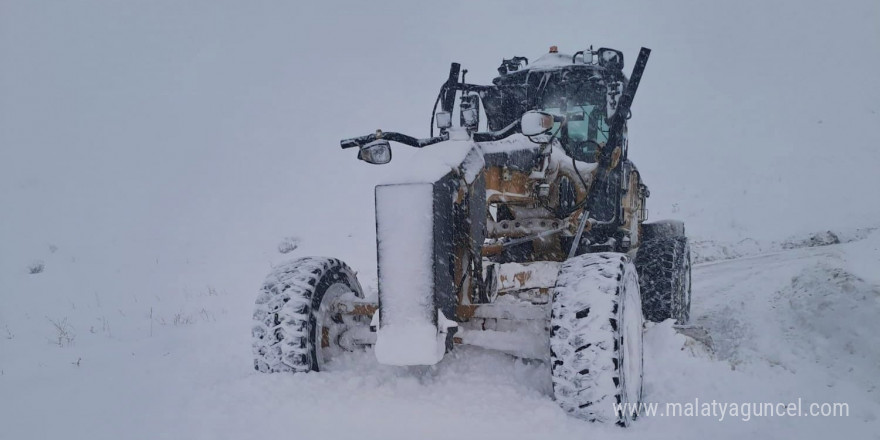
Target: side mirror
444	120
534	123
470	111
377	152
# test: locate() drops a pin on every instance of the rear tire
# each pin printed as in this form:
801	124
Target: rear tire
664	266
296	327
662	229
596	337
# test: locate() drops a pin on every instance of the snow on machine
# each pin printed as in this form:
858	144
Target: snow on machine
529	238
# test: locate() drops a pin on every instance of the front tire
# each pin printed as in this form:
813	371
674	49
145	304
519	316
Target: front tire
596	338
296	324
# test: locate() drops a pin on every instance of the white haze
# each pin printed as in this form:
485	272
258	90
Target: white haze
153	155
204	132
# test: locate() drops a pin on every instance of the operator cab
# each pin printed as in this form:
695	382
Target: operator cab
583	101
584	88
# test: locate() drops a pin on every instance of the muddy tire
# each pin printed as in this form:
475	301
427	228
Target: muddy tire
295	326
664	266
596	337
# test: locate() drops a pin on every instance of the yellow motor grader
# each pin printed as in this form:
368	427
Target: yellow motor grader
529	237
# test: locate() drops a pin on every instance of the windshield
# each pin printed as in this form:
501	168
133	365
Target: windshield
583	102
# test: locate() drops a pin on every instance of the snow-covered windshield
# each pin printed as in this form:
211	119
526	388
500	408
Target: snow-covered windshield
584	104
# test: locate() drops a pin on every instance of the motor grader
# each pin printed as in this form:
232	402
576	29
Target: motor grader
529	236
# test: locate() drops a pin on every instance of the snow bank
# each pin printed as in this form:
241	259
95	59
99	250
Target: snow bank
704	251
863	257
828	318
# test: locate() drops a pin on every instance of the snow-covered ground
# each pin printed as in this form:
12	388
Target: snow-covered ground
155	158
795	324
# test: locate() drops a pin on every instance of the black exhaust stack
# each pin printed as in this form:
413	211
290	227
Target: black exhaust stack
447	101
623	108
603	200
